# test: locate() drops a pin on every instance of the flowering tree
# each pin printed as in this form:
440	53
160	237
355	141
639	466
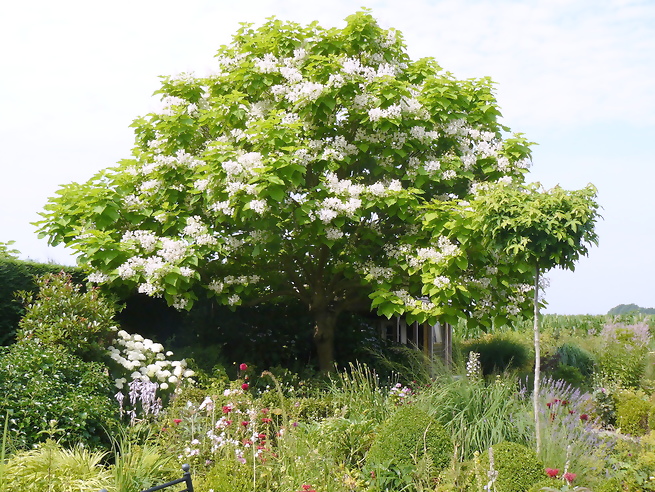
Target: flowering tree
300	169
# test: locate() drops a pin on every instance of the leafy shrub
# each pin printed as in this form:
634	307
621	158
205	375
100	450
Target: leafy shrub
499	353
622	359
574	356
570	374
52	468
40	385
16	276
61	314
517	465
632	411
408	438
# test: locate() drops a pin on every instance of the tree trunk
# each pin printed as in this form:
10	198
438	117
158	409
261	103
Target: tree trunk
324	328
537	361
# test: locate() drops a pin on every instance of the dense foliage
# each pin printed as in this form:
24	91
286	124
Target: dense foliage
19	276
411	438
301	169
46	388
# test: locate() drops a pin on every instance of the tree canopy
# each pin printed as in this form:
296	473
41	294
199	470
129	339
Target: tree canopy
317	164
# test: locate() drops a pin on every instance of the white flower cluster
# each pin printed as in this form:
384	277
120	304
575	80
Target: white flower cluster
245	165
352	67
147	361
473	367
198	231
445	249
98	278
146	239
169	104
441	281
219	286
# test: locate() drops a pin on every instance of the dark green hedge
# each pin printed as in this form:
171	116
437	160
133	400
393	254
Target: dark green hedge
18	275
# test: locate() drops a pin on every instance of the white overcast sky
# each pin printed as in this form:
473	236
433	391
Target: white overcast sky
576	76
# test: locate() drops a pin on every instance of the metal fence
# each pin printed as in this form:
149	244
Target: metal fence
186	479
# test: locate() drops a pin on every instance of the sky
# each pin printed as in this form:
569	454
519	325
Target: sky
575	76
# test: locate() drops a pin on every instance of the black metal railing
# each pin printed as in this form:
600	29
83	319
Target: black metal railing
186	478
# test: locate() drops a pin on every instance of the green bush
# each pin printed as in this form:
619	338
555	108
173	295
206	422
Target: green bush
570	374
45	387
632	412
622	357
410	437
16	276
498	353
517	465
61	314
574	356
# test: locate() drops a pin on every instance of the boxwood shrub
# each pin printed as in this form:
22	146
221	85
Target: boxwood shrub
410	436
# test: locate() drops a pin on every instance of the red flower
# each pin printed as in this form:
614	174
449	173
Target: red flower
565	402
306	487
264	410
245	423
548	404
584	417
266	420
244	386
261	436
552	472
227	408
243	367
177	421
569	477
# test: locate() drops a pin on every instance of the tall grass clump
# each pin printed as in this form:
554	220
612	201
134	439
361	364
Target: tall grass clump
139	463
478	414
359	392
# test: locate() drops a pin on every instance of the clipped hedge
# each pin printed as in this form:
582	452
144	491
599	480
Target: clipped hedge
18	275
410	436
518	467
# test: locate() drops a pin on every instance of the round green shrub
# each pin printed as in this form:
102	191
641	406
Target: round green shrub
45	388
498	353
570	374
408	437
518	467
570	354
632	412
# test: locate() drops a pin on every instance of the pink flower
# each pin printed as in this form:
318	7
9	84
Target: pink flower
227	408
177	421
569	477
552	472
245	423
264	410
266	420
244	386
243	367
